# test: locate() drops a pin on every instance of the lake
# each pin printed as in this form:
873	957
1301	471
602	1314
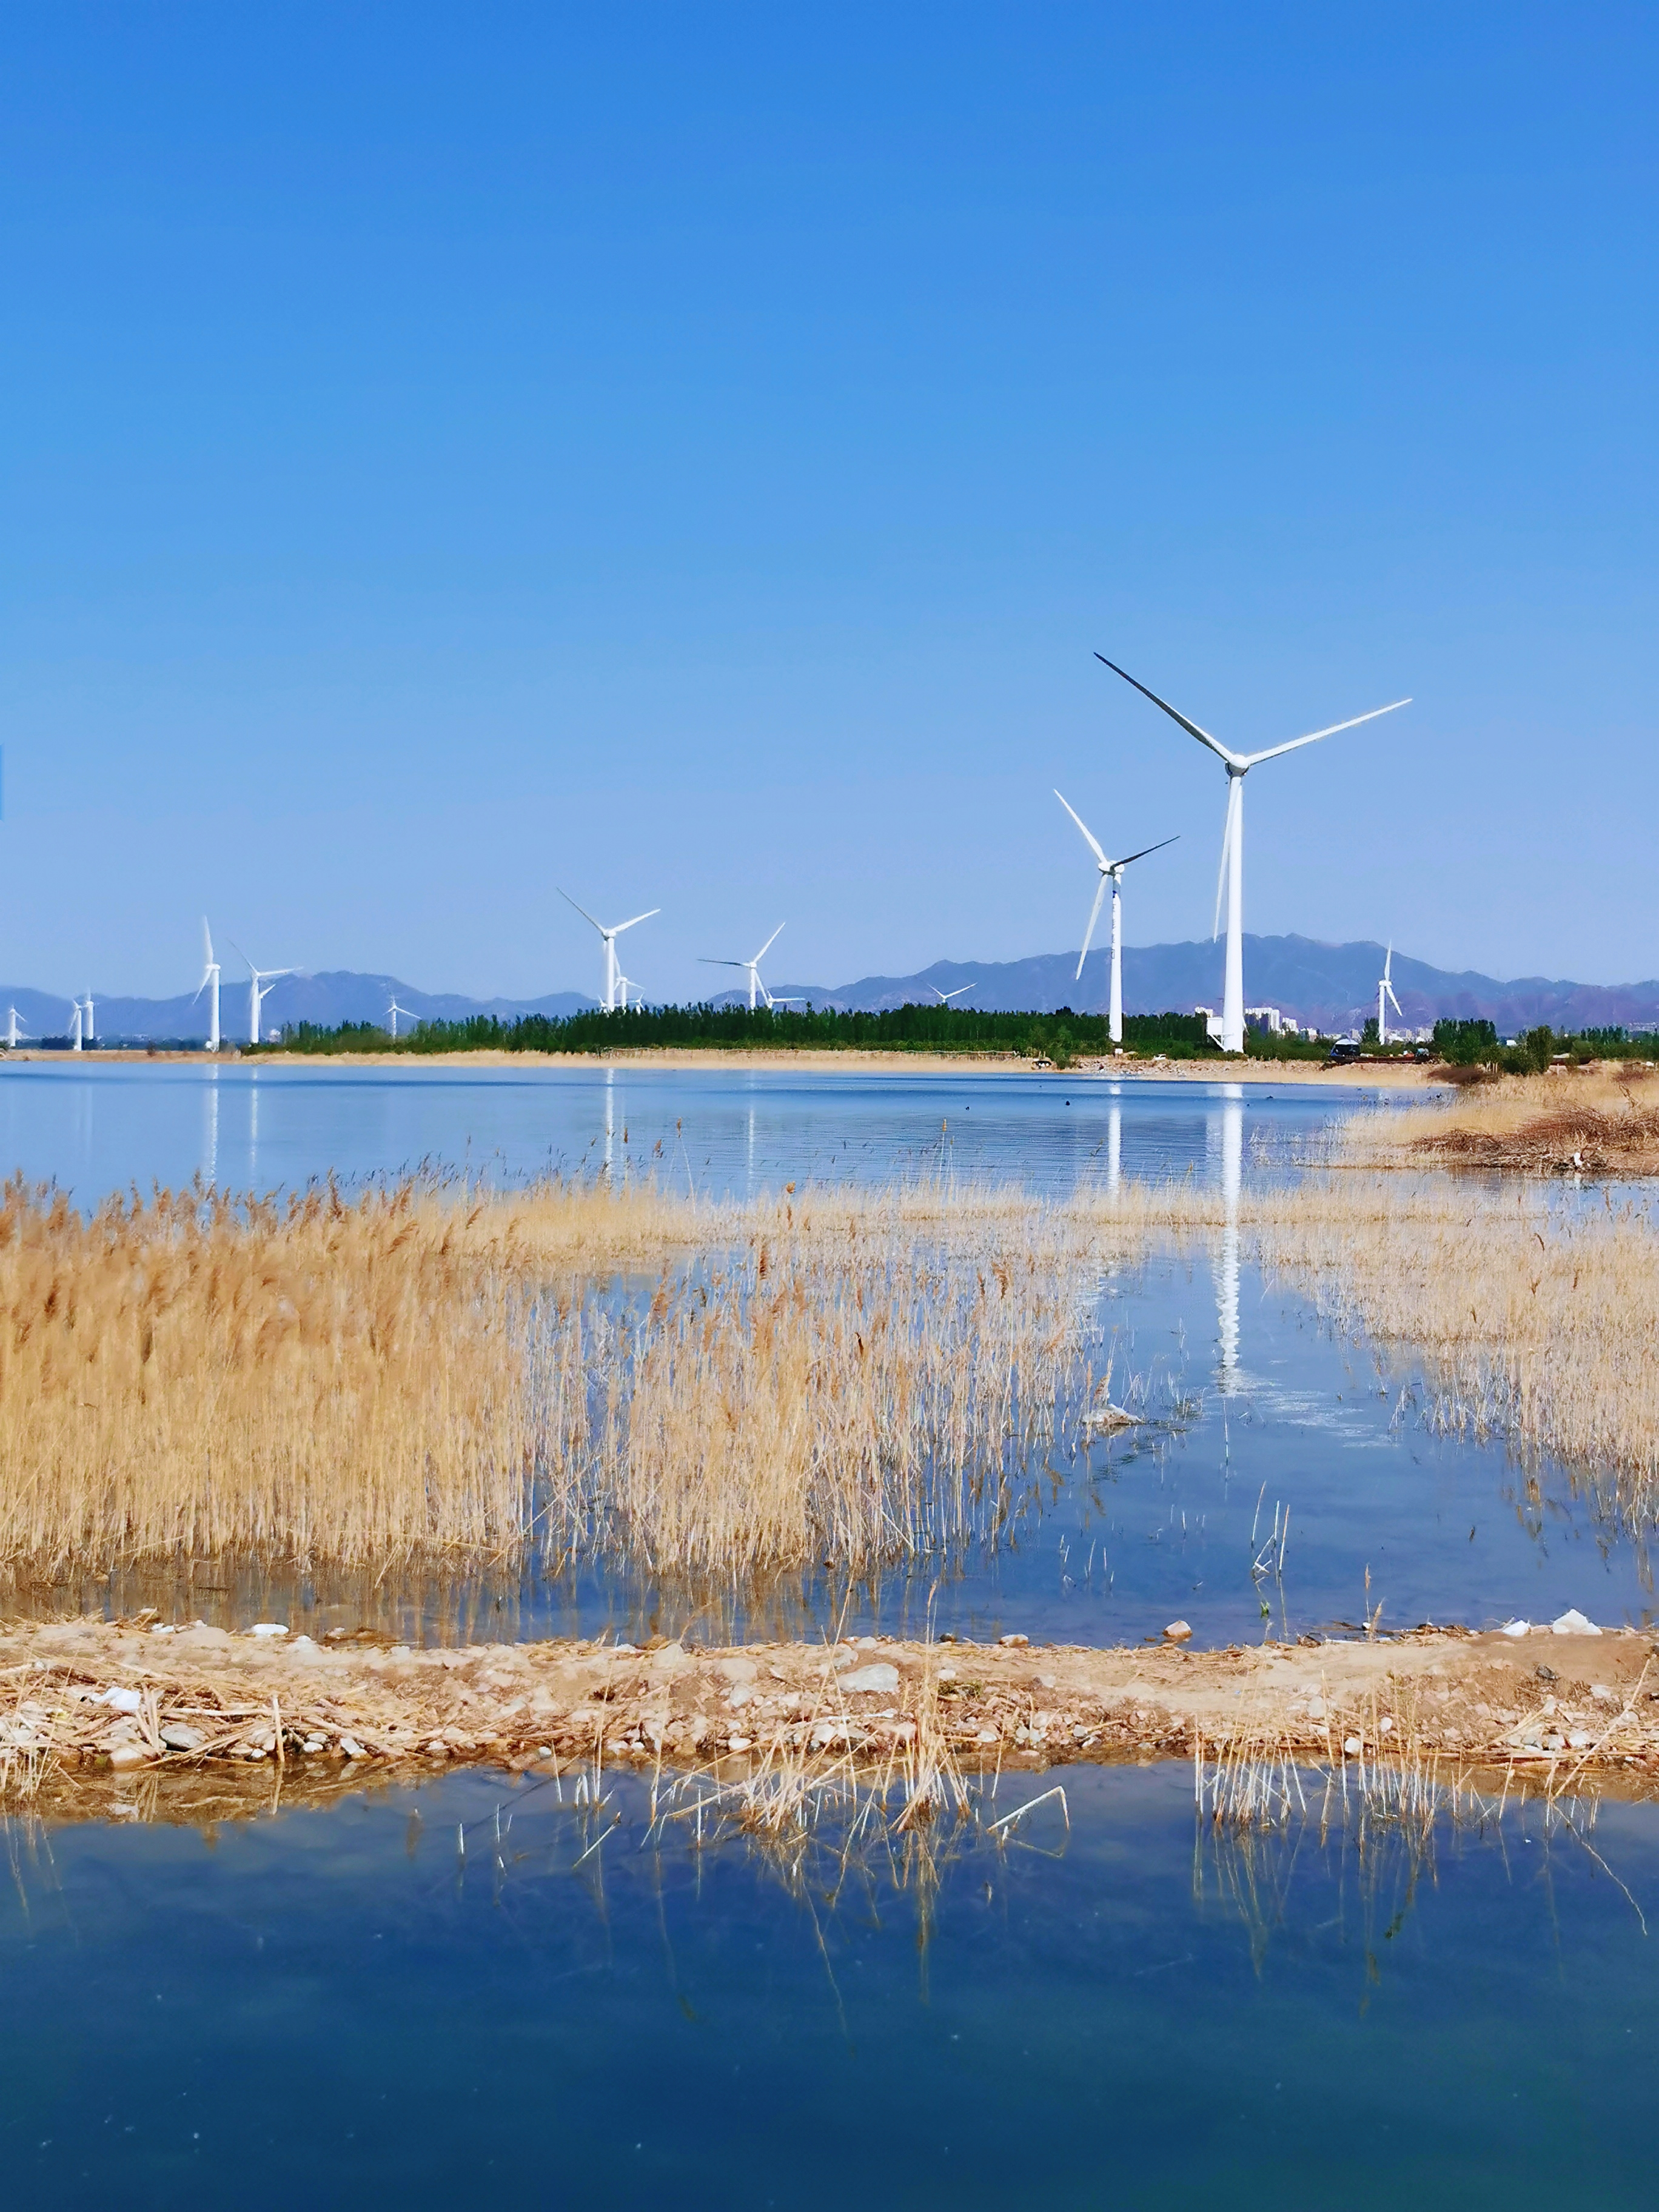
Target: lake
438	1993
1278	1417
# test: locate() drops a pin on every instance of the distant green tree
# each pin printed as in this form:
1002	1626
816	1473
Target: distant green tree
1467	1043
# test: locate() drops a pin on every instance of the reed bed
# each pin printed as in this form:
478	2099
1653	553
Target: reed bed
1534	1322
1598	1120
424	1373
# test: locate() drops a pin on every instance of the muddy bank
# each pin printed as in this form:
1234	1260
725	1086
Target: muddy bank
85	1700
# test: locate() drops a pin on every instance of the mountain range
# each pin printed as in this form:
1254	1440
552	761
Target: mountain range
1331	985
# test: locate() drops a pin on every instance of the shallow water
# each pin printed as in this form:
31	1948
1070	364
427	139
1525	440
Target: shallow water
104	1127
1262	1414
336	2007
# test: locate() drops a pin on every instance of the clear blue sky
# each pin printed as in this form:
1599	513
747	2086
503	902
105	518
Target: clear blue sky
691	454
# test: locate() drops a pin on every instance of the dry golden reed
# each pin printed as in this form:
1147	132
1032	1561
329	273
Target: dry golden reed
424	1371
1597	1120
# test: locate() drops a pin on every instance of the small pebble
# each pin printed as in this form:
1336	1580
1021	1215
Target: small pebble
1178	1631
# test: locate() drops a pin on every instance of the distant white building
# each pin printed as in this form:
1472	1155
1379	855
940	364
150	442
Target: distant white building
1268	1018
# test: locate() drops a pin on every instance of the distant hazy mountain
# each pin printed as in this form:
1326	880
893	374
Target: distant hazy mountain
337	995
1333	986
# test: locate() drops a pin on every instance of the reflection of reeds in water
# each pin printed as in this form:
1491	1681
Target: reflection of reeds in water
1535	1323
423	1374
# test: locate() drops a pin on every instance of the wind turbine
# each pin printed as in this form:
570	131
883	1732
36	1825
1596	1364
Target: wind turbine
1385	990
756	988
1111	871
612	972
92	1033
1231	878
394	1010
75	1030
259	981
14	1031
210	977
945	997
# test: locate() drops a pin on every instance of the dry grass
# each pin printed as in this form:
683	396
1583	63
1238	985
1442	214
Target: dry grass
421	1373
1594	1122
1534	1321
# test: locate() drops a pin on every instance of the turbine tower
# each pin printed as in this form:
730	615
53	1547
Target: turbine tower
945	997
92	1033
16	1032
1231	878
259	981
612	972
1385	990
1111	871
75	1027
751	968
394	1010
210	983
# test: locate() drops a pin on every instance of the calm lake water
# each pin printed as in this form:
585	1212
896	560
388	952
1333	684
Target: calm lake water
1268	1415
336	2007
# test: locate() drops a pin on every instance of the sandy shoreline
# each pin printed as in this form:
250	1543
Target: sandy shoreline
90	1703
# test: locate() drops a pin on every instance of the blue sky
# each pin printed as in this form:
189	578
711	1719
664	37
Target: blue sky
692	454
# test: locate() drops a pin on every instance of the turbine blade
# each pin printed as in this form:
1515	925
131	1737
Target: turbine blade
1393	1002
1250	760
1226	854
1094	916
581	910
705	961
207	945
1191	728
1144	849
622	925
767	947
1094	842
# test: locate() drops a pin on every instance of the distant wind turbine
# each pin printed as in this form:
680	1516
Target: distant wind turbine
75	1027
612	972
259	981
751	968
16	1032
92	1031
1385	990
945	997
210	983
1231	878
394	1010
1111	871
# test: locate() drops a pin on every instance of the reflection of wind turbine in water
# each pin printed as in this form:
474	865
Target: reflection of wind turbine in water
609	1115
1111	871
1385	989
1114	1146
211	1165
254	1125
1226	1288
1231	879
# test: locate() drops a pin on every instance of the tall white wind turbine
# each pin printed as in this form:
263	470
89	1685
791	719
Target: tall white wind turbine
1111	871
1231	878
945	997
751	968
210	983
16	1032
92	1031
612	972
393	1009
259	981
1385	990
